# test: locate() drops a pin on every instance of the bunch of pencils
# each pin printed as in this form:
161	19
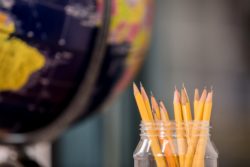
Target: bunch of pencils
190	149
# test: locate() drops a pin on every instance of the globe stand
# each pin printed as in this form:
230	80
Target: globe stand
25	155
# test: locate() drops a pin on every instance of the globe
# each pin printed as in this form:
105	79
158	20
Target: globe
61	60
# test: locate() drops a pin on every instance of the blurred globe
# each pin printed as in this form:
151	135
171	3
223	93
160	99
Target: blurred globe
52	49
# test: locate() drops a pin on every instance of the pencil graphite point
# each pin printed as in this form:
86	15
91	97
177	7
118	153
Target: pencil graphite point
176	96
154	102
196	94
142	88
144	93
136	90
141	84
161	102
183	85
183	97
209	97
204	95
163	106
134	85
179	95
186	93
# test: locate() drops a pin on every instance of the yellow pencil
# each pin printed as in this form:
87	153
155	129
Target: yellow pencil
186	113
167	150
201	146
146	102
152	116
155	107
160	161
208	107
156	119
201	106
171	155
196	102
140	103
177	107
188	108
194	139
179	121
164	112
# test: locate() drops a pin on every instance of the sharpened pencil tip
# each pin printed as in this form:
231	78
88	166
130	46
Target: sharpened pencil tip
162	105
136	90
185	93
141	84
196	94
203	95
209	97
183	97
144	93
183	85
176	96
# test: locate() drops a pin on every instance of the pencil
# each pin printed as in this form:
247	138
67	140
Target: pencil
201	146
164	112
208	107
177	107
196	102
156	149
201	105
170	149
194	139
179	120
140	103
153	117
155	107
186	111
146	102
188	107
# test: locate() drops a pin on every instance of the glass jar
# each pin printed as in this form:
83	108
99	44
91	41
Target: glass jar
172	144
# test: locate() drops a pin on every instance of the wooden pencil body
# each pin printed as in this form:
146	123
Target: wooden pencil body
180	133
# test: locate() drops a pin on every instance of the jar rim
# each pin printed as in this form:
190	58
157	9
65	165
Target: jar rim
169	123
171	128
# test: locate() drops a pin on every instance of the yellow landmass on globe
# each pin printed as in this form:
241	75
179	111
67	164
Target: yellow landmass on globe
18	61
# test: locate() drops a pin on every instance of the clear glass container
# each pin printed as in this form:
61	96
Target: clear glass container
172	144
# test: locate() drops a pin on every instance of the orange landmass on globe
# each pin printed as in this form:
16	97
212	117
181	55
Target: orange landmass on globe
18	60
